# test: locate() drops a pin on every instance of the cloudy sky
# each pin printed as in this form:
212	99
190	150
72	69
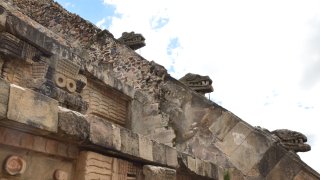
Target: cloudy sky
263	56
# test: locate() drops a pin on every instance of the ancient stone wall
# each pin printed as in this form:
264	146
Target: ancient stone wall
89	91
101	55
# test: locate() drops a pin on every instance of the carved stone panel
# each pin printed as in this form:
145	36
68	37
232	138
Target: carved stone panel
106	103
17	139
12	46
96	166
53	76
26	156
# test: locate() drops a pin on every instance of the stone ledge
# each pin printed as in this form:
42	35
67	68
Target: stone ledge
105	134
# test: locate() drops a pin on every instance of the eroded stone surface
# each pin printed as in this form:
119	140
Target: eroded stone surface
15	165
104	134
96	166
198	83
145	148
4	98
303	175
187	120
251	151
158	173
292	140
73	124
283	170
234	138
32	108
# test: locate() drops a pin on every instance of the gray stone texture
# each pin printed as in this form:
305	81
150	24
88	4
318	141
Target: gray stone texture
72	123
159	151
4	98
105	134
270	159
197	123
171	157
158	173
234	138
129	142
304	175
145	148
223	124
286	169
251	151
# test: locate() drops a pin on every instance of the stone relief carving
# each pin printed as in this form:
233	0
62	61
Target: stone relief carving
200	84
26	66
15	165
132	40
105	103
292	140
60	175
96	166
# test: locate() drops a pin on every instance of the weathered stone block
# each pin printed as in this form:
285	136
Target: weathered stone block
224	124
129	142
3	18
73	124
158	173
191	162
163	135
4	98
104	133
91	165
145	148
234	138
251	151
171	157
235	174
283	170
136	114
211	170
32	108
159	152
303	175
270	159
199	167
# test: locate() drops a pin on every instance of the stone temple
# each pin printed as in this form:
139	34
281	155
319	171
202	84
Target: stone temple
78	104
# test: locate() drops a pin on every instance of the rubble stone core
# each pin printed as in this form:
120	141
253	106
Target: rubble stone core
78	104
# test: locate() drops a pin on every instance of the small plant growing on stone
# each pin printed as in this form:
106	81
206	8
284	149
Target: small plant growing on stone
226	175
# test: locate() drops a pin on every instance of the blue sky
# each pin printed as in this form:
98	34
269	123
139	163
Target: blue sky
263	56
91	10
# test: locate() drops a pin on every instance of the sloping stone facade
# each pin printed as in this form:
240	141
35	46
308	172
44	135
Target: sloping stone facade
75	103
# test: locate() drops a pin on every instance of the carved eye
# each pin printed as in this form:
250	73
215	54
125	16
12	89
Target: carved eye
71	85
60	80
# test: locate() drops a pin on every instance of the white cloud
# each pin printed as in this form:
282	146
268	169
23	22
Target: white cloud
68	4
102	23
250	48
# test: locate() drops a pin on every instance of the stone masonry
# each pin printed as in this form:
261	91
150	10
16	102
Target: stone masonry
76	103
